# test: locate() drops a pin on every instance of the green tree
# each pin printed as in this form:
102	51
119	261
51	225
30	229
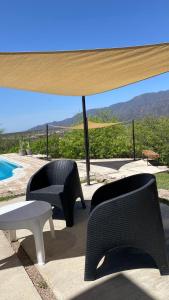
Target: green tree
109	142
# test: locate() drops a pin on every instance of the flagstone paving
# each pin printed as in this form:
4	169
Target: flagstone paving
16	184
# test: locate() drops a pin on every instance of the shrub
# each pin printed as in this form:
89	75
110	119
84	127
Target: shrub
110	142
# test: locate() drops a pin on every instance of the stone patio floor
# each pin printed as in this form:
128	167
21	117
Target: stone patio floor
16	184
64	268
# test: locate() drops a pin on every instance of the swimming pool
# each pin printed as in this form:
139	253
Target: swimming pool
7	168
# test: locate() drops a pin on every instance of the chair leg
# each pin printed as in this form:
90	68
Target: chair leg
158	252
91	263
83	202
68	211
69	218
69	222
162	262
164	270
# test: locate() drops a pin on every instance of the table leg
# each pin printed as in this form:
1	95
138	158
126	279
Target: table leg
39	243
52	227
12	235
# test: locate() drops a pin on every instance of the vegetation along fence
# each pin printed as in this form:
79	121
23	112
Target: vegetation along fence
110	142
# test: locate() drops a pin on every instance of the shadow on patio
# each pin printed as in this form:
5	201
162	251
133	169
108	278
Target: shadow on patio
119	288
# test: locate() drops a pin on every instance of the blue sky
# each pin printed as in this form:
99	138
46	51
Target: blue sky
42	25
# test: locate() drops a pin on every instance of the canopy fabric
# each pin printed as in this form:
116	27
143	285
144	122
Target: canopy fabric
91	125
83	72
94	125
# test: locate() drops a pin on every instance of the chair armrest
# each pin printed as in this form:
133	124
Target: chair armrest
120	187
72	185
70	182
38	180
108	191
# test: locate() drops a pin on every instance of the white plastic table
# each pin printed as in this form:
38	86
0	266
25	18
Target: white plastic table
30	215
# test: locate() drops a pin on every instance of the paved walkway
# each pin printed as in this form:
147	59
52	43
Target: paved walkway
14	281
130	168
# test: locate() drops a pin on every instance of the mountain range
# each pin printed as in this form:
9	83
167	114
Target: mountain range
149	104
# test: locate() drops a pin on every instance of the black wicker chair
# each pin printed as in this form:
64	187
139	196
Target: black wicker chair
57	183
125	219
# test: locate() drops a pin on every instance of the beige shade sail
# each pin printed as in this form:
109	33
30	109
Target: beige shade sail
91	125
94	125
83	72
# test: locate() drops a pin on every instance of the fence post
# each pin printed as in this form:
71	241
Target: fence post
86	140
47	142
133	135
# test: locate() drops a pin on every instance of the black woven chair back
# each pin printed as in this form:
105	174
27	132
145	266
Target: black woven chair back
61	167
121	187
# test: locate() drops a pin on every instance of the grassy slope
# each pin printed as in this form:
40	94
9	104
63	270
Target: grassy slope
6	198
163	180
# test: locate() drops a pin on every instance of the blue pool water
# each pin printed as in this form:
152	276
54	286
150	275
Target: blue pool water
6	169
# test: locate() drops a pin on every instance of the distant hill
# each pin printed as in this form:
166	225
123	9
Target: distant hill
150	104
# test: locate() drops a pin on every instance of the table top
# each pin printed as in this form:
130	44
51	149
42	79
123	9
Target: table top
25	210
